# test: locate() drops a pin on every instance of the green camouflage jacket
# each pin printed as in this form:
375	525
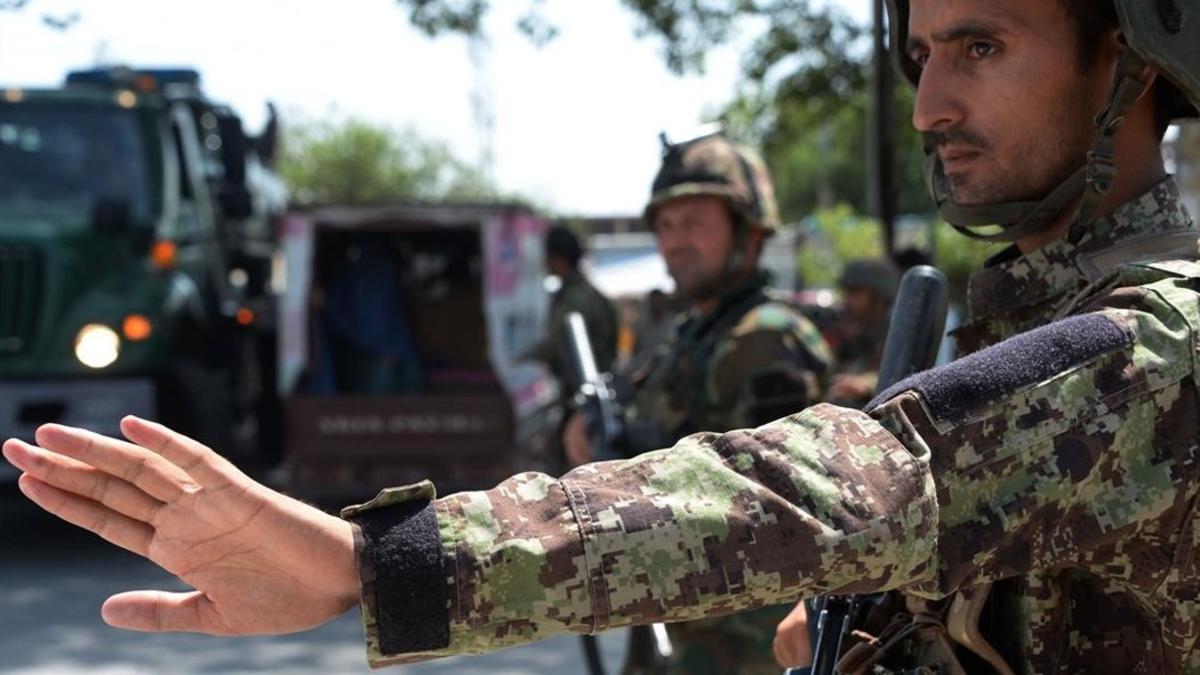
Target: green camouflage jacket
1062	462
752	360
578	295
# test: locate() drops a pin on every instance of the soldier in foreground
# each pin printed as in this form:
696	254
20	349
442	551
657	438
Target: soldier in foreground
1054	471
740	357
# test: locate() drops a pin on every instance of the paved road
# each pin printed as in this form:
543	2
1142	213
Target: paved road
53	579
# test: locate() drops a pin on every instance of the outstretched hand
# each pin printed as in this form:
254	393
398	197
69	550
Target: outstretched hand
260	562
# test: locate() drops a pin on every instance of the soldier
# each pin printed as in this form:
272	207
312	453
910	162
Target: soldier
576	294
563	255
740	357
1042	491
868	288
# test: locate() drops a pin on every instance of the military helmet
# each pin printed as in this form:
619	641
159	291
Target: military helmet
713	165
877	275
1160	34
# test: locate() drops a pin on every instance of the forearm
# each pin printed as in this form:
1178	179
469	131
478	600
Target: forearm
824	500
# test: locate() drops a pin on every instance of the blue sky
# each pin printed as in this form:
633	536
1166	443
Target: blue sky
575	122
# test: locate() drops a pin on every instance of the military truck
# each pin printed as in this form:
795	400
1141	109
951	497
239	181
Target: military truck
136	244
403	332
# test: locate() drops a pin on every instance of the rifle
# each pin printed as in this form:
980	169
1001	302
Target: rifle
595	397
649	646
914	334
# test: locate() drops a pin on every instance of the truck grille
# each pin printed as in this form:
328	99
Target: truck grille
20	297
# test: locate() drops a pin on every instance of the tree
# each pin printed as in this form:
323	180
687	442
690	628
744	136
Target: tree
351	160
804	99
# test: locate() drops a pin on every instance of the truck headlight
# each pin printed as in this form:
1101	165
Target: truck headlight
97	345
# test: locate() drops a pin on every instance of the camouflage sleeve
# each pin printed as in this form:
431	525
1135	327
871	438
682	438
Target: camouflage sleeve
1066	444
773	363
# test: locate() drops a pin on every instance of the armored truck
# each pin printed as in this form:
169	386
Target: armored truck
137	240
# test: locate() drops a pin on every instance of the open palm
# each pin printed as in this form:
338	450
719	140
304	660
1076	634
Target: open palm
259	561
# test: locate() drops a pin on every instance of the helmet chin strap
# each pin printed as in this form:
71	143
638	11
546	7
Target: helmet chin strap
1093	181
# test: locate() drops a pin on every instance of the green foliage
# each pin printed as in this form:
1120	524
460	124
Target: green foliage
834	237
838	235
351	160
959	257
804	100
817	149
434	17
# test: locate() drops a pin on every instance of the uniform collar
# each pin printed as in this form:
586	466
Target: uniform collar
730	300
1011	281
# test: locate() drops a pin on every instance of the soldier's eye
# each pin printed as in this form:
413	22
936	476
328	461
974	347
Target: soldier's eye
920	58
981	50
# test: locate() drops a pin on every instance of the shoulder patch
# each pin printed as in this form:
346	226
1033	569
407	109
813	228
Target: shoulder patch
956	390
768	316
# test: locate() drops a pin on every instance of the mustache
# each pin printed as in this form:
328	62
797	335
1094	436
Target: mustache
686	253
932	140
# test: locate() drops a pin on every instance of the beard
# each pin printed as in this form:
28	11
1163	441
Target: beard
1053	149
694	284
698	287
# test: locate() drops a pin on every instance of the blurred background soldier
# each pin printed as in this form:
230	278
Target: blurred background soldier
653	326
868	288
739	357
576	294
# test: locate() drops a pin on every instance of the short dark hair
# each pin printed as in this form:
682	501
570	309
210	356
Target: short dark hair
1093	20
562	242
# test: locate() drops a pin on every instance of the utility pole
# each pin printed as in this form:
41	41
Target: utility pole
881	189
479	51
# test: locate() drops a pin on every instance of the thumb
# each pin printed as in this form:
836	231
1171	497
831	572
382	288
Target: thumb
159	611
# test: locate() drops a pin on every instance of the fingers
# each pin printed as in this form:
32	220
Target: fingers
791	646
121	530
158	611
782	656
80	479
206	467
149	472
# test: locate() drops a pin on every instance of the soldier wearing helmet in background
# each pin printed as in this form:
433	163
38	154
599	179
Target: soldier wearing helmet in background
740	357
868	287
1035	502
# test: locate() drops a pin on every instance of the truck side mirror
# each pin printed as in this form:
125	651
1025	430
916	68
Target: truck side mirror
267	141
234	146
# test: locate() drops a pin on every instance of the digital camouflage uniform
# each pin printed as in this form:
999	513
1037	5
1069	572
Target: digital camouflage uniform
1058	465
1061	462
752	360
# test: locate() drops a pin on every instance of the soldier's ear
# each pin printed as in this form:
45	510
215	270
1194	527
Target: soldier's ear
755	240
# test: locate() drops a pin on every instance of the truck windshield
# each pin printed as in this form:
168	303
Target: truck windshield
72	156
